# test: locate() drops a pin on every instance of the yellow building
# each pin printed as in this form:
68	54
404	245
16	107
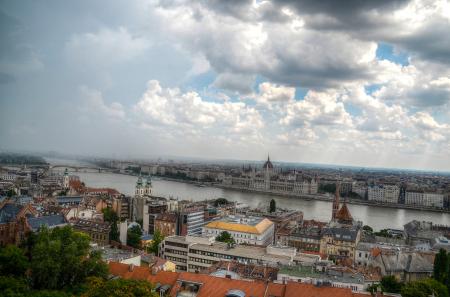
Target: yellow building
244	229
339	242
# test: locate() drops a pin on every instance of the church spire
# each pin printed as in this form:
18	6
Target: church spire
336	202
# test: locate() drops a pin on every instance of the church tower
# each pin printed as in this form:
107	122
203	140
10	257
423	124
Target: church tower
66	179
336	202
148	186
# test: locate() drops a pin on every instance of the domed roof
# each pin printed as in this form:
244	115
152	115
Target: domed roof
268	164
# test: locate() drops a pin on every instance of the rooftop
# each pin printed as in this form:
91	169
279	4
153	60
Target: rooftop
49	221
245	224
210	286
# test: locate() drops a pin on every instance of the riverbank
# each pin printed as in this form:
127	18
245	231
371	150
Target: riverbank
317	197
325	198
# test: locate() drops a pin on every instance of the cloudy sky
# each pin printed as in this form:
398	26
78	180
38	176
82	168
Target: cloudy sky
365	83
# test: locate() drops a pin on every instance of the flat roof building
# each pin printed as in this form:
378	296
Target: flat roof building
244	229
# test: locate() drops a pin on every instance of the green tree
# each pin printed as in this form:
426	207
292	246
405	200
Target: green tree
390	284
61	258
13	287
134	237
272	206
224	236
111	216
11	193
424	288
13	261
441	266
157	239
98	287
220	201
368	229
329	188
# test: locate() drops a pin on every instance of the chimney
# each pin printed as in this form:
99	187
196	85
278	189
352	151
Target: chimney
131	267
228	276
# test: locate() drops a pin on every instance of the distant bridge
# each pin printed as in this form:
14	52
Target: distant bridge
74	168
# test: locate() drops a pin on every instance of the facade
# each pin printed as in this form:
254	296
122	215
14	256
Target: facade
166	224
194	253
383	193
97	231
424	199
142	190
340	242
151	209
13	222
191	220
269	180
360	188
306	239
244	229
143	187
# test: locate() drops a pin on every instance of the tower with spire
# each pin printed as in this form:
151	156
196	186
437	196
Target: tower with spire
143	187
341	214
268	169
336	202
66	179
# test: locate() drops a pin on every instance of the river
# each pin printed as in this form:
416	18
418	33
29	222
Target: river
377	217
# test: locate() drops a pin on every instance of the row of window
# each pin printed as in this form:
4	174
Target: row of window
183	253
201	260
176	259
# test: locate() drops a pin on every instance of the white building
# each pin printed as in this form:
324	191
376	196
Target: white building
195	253
248	230
8	176
360	188
383	193
424	199
268	179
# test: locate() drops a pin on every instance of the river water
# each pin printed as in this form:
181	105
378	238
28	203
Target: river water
377	217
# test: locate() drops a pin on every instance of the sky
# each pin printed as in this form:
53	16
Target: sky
358	82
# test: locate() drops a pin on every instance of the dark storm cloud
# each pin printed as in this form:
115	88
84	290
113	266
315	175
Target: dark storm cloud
341	9
429	97
431	42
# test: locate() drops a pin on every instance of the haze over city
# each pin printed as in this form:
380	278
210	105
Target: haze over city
363	83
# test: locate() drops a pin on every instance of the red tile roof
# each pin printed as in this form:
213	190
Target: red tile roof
212	286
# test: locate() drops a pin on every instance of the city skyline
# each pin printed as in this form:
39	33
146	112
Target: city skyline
358	84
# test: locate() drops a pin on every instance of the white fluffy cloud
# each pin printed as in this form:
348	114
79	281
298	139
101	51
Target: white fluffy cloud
189	114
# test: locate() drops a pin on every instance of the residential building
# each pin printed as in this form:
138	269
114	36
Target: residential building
424	199
191	220
195	253
97	231
384	193
333	276
243	229
52	221
151	209
166	224
13	222
406	266
340	242
238	270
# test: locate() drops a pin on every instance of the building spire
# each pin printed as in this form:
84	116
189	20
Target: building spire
336	201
